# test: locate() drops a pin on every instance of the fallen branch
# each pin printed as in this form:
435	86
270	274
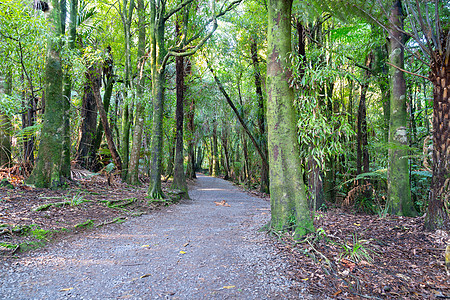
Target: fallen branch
48	205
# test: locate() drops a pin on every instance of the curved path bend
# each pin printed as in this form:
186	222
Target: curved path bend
194	250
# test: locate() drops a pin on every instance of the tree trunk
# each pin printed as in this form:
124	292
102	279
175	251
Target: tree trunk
315	184
67	83
5	123
133	167
246	160
399	189
287	189
47	171
437	217
108	81
179	179
126	116
261	118
28	120
85	149
215	152
362	151
155	191
190	170
226	152
241	120
104	118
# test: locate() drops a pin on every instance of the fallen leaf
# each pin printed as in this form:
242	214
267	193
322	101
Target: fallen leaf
66	289
229	287
185	244
182	252
222	203
145	246
356	224
145	275
304	279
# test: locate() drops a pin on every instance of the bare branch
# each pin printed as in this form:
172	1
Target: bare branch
403	70
177	8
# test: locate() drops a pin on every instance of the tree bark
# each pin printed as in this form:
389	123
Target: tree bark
190	170
179	179
5	123
264	188
104	118
399	189
437	216
133	167
85	149
215	152
287	189
47	171
362	151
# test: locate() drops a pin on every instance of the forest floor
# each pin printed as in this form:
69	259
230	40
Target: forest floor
351	256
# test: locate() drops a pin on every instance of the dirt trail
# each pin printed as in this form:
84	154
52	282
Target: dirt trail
195	250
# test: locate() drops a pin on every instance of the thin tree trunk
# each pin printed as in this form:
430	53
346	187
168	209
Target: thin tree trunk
179	179
287	189
215	152
133	167
104	119
362	151
240	118
190	170
261	118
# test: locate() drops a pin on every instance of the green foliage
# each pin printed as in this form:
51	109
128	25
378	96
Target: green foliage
356	250
77	199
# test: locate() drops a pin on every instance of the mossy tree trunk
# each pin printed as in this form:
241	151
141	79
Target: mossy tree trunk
47	171
399	189
289	204
67	84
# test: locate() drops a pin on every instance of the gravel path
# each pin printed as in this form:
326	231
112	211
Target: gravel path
194	250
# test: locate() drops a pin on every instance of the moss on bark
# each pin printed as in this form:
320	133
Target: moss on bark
289	205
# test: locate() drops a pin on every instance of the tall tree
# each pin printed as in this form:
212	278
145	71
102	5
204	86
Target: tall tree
179	179
126	15
132	175
85	155
399	189
287	189
261	116
47	171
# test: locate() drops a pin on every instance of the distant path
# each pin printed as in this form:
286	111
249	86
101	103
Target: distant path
225	257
